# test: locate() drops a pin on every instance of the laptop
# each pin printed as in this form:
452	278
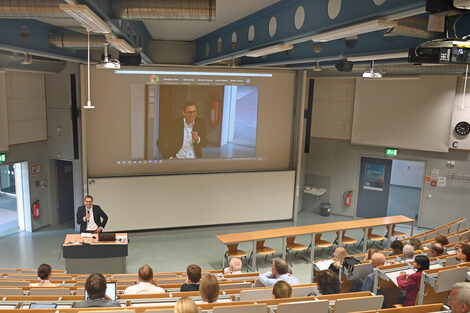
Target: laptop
106	237
110	291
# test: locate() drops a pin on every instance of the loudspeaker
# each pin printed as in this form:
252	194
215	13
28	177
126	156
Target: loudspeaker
344	65
308	115
130	59
75	114
437	6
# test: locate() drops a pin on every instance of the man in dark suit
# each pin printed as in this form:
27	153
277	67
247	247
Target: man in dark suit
91	218
186	138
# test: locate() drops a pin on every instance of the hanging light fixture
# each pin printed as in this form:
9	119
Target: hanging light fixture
88	103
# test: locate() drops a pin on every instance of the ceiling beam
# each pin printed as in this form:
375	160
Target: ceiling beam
319	17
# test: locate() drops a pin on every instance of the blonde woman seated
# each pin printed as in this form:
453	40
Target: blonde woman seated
185	305
44	274
209	289
339	255
282	289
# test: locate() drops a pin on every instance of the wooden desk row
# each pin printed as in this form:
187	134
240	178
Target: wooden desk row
311	230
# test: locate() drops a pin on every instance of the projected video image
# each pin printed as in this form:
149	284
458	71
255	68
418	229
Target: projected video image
194	122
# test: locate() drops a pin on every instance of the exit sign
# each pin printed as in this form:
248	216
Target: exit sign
391	152
2	157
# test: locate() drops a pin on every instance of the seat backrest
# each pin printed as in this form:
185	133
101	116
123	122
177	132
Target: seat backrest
258	283
61	277
257	294
465	235
235	286
430	235
165	281
452	260
303	291
123	310
250	308
361	271
160	311
20	277
28	271
260	244
447	278
125	276
369	231
453	238
125	282
290	240
11	292
320	306
232	248
13	283
358	304
8	270
317	237
454	227
47	291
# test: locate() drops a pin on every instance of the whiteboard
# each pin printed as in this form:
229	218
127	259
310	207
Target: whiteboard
156	202
407	173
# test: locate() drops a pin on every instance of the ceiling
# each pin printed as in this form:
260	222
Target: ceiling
227	11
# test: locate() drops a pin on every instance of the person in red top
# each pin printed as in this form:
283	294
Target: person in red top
410	283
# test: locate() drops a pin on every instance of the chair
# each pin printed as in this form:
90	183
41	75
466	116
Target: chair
11	292
125	276
47	291
303	307
13	283
358	304
303	291
345	240
123	282
395	233
453	238
373	237
248	308
263	250
8	270
291	245
235	286
256	294
233	252
322	243
22	276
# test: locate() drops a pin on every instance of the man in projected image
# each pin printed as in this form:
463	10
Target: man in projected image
188	136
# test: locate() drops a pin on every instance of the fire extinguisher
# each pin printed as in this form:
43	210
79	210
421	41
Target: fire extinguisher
36	209
214	112
347	198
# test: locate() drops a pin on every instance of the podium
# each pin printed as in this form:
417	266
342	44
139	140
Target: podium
86	255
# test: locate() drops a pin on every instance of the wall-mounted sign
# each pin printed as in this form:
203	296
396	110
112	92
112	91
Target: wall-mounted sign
391	152
35	169
374	177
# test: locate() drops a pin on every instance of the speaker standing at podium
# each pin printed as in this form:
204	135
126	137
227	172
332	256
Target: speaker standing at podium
91	218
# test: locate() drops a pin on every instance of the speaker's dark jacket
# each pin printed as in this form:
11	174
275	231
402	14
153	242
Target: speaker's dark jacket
98	215
172	141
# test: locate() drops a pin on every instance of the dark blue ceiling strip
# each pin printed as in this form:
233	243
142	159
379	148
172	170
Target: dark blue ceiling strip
316	21
38	42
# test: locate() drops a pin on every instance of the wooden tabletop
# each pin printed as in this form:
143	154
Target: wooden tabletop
312	229
77	239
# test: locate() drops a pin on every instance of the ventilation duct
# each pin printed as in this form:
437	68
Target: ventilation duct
31	9
201	10
12	60
69	41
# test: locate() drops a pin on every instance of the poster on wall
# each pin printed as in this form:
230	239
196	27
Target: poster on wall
374	177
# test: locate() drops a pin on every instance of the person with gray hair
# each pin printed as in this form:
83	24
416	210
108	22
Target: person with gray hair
235	267
408	253
279	272
459	300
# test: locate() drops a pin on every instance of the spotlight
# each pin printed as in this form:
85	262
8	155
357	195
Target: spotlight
344	65
317	67
371	73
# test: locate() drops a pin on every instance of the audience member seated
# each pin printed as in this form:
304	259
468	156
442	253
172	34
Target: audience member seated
463	253
408	253
328	283
435	249
410	283
377	259
279	272
185	305
194	276
416	243
145	282
44	274
459	300
441	239
339	255
95	286
397	247
209	289
370	252
235	267
282	289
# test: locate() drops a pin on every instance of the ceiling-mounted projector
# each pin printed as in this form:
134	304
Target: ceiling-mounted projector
107	63
371	74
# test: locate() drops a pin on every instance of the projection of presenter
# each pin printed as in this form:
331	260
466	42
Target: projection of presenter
91	218
186	138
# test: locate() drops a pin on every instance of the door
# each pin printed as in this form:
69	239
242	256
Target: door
374	187
65	191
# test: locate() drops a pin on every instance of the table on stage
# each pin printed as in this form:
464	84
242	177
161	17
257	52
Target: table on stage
311	230
88	255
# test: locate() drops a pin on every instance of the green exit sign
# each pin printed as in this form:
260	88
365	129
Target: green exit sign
391	152
2	157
